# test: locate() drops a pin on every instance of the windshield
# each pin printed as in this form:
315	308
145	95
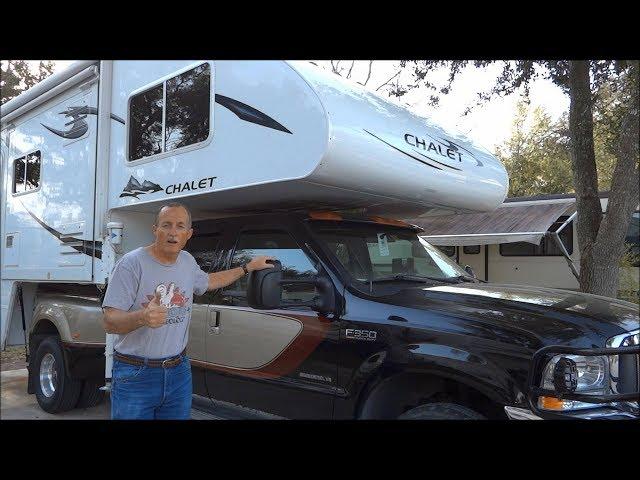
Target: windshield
380	253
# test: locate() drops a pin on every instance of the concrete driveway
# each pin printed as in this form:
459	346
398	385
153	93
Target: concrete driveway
16	404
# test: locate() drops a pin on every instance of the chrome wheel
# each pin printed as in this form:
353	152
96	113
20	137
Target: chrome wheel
48	375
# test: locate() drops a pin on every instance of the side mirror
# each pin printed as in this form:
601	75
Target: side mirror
469	270
264	290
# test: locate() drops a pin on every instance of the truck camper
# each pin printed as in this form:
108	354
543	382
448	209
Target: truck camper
360	318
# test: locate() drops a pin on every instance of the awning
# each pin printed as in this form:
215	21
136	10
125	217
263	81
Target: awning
510	222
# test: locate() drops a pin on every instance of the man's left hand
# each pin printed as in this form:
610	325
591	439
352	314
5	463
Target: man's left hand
260	263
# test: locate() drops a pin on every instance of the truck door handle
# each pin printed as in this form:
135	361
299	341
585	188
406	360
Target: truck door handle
214	322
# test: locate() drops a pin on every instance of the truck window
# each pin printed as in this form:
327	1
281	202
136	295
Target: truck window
26	173
278	244
371	252
171	115
204	249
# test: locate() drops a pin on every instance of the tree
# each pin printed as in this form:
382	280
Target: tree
16	77
589	85
538	159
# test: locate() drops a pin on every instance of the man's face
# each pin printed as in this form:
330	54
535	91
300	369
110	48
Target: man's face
172	230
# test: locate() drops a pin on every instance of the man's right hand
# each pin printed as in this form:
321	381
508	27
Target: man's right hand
155	314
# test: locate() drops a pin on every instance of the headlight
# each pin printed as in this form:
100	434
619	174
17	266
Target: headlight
574	373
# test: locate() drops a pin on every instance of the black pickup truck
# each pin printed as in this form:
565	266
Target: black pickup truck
362	319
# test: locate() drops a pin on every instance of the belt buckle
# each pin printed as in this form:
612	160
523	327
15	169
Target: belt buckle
164	362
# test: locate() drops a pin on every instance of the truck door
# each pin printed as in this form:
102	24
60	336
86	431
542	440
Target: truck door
206	248
275	361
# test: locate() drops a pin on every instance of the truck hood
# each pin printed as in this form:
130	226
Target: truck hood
552	316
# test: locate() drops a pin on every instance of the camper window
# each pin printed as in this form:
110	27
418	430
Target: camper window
171	115
471	249
448	250
26	173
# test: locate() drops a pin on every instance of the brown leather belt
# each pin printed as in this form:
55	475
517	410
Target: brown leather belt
166	363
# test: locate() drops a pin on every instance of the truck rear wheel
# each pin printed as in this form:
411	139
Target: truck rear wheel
441	411
90	395
55	390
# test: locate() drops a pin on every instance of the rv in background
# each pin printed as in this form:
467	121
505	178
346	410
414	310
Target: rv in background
500	255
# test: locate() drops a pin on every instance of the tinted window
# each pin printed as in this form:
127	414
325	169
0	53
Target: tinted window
471	249
171	115
188	104
205	249
278	244
145	123
18	175
33	171
449	251
29	180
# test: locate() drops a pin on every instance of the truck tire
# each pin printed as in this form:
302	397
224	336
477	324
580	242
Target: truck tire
90	394
441	411
55	390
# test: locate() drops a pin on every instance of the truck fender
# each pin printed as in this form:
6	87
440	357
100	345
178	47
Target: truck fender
426	369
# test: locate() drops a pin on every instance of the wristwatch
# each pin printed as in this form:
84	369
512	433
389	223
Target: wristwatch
244	268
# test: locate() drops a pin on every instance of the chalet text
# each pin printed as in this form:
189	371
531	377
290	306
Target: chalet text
188	186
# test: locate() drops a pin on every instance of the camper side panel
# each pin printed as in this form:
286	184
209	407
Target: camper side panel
258	123
49	183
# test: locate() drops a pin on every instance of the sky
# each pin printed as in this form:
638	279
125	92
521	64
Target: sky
489	124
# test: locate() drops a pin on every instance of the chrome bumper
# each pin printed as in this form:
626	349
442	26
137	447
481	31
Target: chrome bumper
517	413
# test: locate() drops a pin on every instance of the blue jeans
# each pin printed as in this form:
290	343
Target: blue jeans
151	393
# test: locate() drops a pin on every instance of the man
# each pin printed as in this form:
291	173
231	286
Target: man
148	306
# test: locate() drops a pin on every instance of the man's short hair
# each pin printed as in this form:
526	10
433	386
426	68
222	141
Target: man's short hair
172	205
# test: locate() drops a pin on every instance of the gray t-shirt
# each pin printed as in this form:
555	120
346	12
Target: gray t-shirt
133	283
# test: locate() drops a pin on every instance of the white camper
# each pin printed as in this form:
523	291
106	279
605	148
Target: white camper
90	153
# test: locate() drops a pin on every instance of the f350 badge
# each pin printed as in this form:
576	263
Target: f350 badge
366	335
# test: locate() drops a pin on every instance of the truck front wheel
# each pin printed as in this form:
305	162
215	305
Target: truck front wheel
55	390
441	411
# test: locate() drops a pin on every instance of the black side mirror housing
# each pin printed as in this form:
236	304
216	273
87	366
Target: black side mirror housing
264	290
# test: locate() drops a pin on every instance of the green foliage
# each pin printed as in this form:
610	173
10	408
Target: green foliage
629	287
536	158
537	153
16	77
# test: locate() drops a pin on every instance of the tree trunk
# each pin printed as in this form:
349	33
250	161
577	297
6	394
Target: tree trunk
601	239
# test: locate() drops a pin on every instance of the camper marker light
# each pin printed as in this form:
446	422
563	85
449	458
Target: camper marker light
115	232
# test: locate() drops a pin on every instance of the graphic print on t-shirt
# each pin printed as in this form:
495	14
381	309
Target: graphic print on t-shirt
174	300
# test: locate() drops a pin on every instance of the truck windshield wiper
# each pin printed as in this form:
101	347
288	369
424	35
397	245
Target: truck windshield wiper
467	278
413	278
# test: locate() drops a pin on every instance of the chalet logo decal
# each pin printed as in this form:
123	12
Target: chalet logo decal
134	187
77	125
431	151
439	146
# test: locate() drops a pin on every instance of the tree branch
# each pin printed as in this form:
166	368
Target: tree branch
369	74
394	76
